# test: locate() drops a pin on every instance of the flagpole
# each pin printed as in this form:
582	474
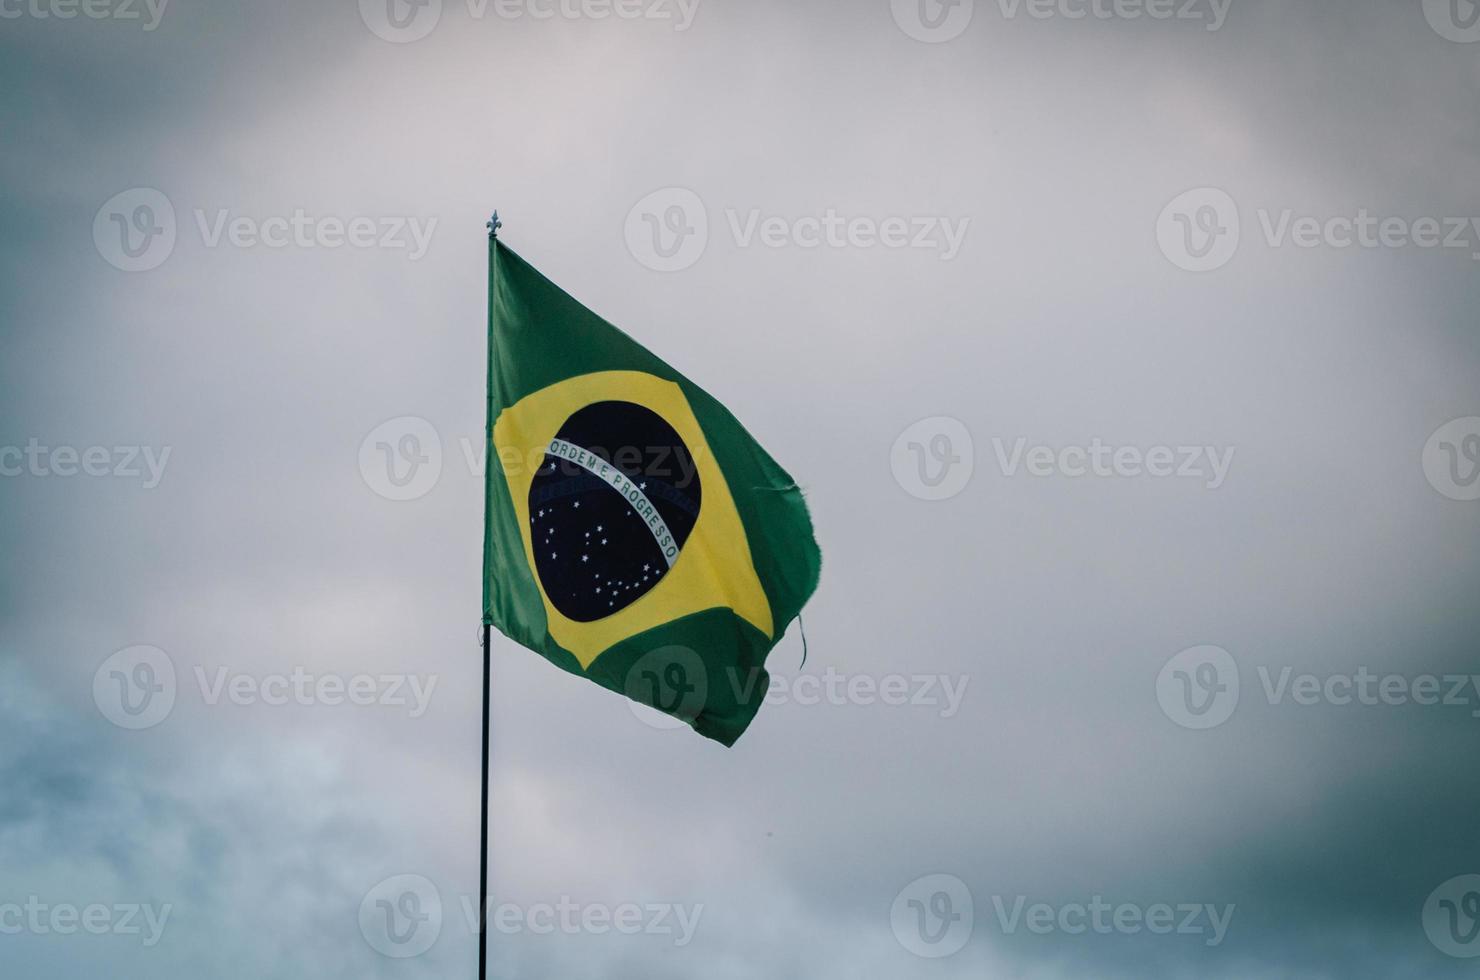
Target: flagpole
493	226
483	825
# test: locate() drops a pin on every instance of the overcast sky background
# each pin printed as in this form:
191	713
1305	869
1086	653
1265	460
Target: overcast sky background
1059	600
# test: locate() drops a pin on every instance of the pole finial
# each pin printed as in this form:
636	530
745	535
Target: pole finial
494	224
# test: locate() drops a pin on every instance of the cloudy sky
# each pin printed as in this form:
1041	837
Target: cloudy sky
1129	362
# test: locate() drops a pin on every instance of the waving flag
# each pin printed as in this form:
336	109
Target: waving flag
635	533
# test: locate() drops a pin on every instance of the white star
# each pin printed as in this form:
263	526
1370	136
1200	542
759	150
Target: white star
542	513
642	485
598	527
552	554
603	540
585	558
577	503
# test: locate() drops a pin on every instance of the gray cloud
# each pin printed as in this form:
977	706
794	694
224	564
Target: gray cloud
1060	779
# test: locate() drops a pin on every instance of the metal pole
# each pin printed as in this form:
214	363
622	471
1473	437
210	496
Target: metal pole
483	824
493	226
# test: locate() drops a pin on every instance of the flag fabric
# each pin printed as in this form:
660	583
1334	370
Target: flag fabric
635	533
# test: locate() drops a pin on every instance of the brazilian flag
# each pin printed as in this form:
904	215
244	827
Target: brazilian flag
635	533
